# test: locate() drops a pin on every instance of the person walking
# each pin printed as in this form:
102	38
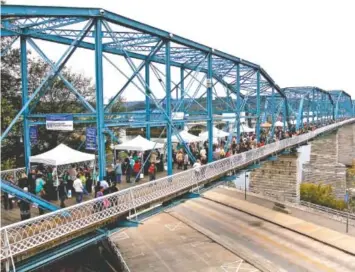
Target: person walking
89	182
136	169
127	170
152	171
39	189
186	161
79	189
118	171
197	166
62	191
23	181
25	209
32	181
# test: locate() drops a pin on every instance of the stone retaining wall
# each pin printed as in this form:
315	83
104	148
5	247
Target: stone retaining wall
278	178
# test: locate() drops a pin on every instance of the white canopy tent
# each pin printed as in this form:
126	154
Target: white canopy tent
217	133
62	155
139	144
279	124
246	129
186	137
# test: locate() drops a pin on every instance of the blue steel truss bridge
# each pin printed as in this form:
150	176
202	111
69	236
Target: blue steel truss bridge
202	83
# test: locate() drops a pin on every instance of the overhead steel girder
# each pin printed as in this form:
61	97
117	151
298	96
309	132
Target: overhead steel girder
13	12
40	26
306	100
47	81
343	103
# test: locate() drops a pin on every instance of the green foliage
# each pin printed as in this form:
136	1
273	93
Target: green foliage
54	98
322	195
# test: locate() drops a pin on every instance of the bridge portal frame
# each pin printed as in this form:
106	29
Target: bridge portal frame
239	77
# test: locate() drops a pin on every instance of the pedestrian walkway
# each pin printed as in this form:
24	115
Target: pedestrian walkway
12	216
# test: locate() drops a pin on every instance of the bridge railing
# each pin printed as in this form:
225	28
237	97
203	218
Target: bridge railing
26	235
16	173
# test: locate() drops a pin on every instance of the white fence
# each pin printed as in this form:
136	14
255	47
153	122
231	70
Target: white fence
340	216
23	236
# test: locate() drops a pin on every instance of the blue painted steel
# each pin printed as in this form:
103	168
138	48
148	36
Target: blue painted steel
284	114
254	166
299	123
24	83
168	109
273	120
135	73
257	130
12	189
209	108
237	82
99	99
65	81
59	252
182	89
147	101
60	64
113	136
33	11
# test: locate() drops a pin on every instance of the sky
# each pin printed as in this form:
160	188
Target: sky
299	43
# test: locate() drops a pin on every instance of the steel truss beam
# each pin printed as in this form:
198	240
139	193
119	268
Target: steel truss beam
256	92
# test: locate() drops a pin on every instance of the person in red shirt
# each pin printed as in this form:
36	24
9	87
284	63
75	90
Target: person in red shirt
137	168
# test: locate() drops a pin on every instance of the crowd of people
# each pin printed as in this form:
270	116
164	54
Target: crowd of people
49	184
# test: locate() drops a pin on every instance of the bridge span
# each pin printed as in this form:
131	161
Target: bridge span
23	239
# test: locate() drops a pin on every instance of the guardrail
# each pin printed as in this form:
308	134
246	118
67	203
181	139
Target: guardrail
26	235
16	173
333	214
329	212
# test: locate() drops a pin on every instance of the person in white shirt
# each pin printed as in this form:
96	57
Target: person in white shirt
104	184
79	189
197	166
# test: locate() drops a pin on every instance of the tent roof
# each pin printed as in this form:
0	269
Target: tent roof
186	137
246	129
278	124
139	144
62	155
217	133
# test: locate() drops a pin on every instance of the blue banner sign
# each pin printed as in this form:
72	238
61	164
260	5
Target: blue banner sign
91	138
33	135
59	122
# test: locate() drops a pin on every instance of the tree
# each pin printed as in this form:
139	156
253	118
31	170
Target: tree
322	195
56	99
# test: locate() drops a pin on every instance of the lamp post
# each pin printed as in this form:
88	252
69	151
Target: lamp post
347	199
245	185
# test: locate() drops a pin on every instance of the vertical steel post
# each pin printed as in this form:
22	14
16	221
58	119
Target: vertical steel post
300	115
308	110
182	89
313	112
273	112
99	99
245	185
168	108
237	86
24	83
258	106
209	109
284	114
147	100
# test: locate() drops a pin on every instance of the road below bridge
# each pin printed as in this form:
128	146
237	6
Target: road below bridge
202	235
